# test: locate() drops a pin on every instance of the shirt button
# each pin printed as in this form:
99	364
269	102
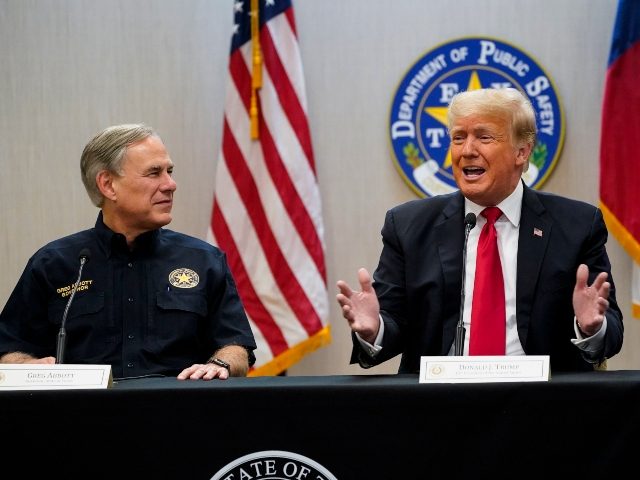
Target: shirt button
130	265
130	299
130	365
131	337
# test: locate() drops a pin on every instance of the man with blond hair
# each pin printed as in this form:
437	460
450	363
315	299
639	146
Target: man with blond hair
538	278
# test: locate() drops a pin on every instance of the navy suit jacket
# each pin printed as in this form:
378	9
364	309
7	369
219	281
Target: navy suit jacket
419	279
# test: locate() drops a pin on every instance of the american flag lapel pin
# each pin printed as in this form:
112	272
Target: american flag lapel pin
537	232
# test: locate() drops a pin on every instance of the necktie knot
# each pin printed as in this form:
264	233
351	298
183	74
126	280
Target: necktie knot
491	214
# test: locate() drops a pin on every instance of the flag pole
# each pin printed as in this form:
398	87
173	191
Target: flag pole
256	71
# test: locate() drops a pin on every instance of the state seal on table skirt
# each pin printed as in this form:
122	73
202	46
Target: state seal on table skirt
273	465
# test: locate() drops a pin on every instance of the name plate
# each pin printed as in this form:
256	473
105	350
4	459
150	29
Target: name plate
484	369
27	376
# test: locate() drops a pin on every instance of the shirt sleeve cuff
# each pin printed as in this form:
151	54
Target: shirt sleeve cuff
591	346
373	350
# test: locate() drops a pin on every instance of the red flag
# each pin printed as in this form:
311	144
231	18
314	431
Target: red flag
619	160
266	211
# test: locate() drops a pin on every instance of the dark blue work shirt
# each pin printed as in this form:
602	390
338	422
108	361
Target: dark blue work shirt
159	308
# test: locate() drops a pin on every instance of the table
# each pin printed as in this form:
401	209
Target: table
583	425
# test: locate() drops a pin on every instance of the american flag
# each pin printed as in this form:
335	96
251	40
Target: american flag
266	212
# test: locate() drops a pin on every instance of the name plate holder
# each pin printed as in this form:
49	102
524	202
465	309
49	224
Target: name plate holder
484	369
28	376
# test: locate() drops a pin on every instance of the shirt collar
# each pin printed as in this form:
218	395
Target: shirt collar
511	206
110	240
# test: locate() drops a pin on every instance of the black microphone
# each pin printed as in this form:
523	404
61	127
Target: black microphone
469	223
84	256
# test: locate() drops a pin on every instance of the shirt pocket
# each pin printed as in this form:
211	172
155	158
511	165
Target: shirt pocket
178	314
84	310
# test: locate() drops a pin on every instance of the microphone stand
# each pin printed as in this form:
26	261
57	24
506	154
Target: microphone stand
469	223
62	334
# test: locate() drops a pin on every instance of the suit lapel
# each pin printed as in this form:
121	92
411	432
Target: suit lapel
449	232
535	231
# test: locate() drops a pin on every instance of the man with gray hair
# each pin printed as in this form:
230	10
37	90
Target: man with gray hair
151	300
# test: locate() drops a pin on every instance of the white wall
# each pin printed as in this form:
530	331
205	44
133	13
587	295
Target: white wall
68	68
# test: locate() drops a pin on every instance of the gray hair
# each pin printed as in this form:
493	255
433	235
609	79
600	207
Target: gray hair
507	103
106	151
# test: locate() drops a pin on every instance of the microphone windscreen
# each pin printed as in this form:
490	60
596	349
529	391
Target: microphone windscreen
470	220
85	254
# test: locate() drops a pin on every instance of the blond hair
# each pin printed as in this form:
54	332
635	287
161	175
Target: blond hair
507	103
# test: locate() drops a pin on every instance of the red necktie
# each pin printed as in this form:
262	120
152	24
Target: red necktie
488	322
